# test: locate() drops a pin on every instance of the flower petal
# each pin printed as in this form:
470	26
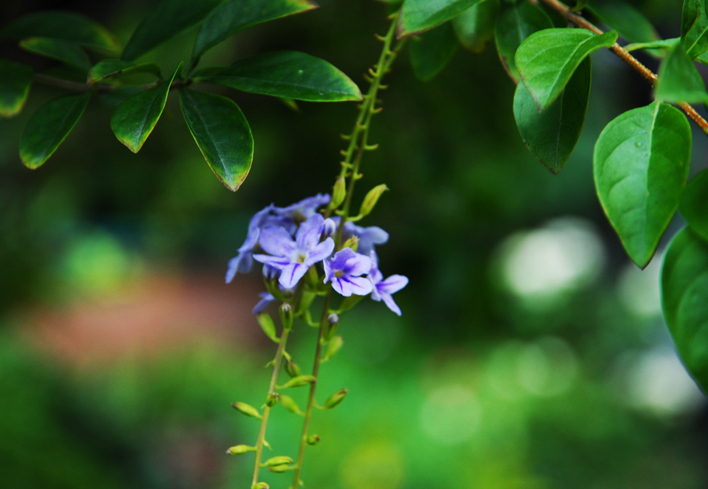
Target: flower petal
388	300
302	210
358	285
240	263
309	233
320	252
291	274
266	298
278	262
392	284
340	259
358	265
276	241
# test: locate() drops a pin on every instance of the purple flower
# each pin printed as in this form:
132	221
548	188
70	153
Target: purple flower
294	257
384	288
368	237
266	298
345	270
304	209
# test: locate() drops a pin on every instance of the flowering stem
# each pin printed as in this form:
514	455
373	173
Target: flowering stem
352	159
266	410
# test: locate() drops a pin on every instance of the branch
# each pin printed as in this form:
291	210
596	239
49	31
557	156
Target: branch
624	55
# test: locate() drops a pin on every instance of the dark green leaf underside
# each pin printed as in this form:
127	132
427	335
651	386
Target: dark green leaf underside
684	299
694	204
625	19
421	15
640	166
109	68
289	74
65	51
222	134
475	26
48	127
15	81
679	80
432	51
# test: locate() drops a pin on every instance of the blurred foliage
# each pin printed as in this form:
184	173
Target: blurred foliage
492	379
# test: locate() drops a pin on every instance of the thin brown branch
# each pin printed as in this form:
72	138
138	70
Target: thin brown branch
625	56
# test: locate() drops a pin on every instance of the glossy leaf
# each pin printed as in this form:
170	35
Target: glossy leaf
625	19
547	59
551	135
289	74
694	204
15	81
679	80
222	134
118	95
655	48
684	299
136	117
57	24
475	26
108	68
432	51
517	22
234	15
694	27
418	16
65	51
48	127
165	21
640	165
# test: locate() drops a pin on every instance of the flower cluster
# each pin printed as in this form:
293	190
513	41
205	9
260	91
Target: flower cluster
288	241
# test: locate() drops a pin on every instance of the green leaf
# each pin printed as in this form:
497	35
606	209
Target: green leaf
640	164
289	74
475	26
655	48
679	80
694	27
517	22
118	95
169	18
65	51
625	19
136	117
48	127
684	299
432	51
547	59
418	16
551	135
234	15
108	68
15	81
57	24
222	134
694	204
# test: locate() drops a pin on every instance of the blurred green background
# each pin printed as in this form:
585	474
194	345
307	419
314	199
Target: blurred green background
530	353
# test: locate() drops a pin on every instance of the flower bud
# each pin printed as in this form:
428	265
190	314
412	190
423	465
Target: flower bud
313	439
333	347
332	325
240	450
371	199
330	227
260	485
299	381
292	368
339	192
281	460
246	409
286	315
272	399
352	243
289	403
335	398
279	469
268	326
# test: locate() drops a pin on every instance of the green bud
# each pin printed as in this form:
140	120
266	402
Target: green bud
350	302
292	368
246	409
306	300
335	398
299	381
371	199
260	485
313	439
352	243
289	403
286	315
279	469
272	399
240	450
333	347
331	327
281	460
339	192
268	326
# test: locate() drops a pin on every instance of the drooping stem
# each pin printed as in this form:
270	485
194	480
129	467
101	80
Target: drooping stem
358	144
625	56
266	410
